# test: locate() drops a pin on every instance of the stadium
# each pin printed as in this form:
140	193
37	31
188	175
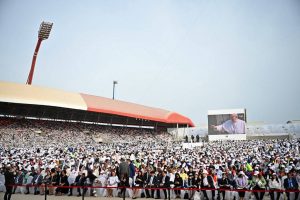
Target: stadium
45	130
191	56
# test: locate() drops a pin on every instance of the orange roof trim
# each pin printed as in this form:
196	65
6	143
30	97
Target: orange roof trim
122	108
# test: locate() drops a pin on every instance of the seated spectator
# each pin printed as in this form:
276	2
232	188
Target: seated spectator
274	184
291	184
178	183
258	182
112	182
63	181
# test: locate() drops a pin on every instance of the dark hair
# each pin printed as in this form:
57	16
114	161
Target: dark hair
113	171
277	179
260	176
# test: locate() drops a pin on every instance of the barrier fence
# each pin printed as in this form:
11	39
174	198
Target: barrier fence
85	187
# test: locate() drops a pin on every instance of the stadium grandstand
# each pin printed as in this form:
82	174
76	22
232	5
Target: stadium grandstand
29	101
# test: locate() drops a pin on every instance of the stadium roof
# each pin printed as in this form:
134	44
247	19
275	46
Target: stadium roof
35	97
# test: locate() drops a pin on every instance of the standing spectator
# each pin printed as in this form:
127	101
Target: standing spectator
124	182
81	182
192	138
123	167
131	172
186	139
90	181
197	138
9	181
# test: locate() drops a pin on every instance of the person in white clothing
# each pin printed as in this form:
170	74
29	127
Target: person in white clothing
274	184
232	126
241	183
112	181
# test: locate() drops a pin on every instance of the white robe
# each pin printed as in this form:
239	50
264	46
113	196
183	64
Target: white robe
231	127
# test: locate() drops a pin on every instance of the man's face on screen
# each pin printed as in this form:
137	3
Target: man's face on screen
233	117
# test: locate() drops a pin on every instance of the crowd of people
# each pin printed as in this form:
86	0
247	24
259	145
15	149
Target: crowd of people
35	153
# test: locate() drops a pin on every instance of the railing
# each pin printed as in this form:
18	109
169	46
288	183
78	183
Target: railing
169	189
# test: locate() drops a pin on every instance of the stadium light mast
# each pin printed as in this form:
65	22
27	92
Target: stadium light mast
44	33
114	85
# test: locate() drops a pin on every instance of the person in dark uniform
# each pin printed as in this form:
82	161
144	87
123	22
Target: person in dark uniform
197	138
9	181
192	138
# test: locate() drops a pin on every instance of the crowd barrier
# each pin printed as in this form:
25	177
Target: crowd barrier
46	186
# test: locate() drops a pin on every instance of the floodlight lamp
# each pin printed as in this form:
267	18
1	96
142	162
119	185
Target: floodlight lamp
44	30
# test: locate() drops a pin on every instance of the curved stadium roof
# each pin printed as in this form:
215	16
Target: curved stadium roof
14	93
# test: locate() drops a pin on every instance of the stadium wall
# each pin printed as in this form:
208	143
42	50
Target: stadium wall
263	131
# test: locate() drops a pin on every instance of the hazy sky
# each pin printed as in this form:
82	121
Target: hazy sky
184	56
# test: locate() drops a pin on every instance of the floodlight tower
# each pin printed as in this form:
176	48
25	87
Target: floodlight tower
44	33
